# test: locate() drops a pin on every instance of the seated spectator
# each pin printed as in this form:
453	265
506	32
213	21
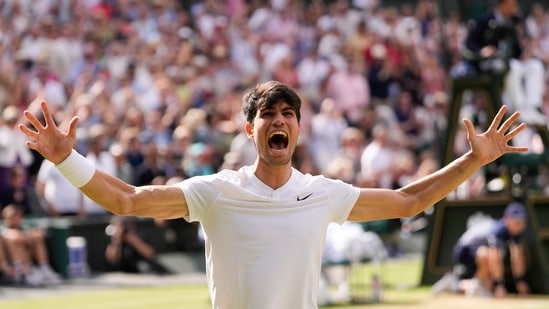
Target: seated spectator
480	254
6	271
26	250
128	251
19	192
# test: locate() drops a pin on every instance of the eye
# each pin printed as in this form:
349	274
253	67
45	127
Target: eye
289	113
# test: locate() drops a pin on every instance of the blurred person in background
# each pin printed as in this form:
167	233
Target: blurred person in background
57	196
327	126
312	72
480	256
152	165
350	90
12	146
26	249
405	109
359	40
129	250
352	145
495	44
102	159
19	192
46	84
377	157
7	274
380	73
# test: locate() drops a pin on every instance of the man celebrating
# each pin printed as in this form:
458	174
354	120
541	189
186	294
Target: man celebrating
265	224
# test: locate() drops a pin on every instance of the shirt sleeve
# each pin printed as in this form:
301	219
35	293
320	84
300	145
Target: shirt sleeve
200	193
343	197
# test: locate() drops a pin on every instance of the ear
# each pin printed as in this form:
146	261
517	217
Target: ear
249	129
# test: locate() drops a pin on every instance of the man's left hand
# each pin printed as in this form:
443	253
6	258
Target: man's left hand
494	142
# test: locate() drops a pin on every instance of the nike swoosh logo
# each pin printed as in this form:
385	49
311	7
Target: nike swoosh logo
305	197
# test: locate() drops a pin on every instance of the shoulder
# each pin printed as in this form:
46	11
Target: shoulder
499	229
223	176
318	180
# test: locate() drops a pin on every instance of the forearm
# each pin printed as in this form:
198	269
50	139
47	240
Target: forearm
434	187
109	192
118	197
113	251
518	260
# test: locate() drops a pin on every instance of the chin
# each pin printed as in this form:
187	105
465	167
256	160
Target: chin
278	160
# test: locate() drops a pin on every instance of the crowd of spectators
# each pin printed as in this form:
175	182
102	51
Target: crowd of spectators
158	85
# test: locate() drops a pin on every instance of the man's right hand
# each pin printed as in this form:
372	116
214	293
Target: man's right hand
50	141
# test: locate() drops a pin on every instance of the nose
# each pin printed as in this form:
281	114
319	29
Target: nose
278	118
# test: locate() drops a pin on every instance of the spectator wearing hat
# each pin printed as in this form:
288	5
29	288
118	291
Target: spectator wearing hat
480	256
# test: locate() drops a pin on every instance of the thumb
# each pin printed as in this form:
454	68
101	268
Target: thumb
72	127
470	128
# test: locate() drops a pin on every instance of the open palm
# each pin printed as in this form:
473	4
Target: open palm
50	141
494	142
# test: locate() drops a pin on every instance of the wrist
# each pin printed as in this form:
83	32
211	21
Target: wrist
76	169
474	159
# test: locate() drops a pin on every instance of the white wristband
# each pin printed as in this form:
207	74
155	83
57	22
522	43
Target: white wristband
77	169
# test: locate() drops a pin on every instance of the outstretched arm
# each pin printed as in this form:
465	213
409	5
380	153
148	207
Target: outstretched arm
375	204
113	194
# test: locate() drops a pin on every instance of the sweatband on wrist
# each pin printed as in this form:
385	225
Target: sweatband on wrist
77	169
519	278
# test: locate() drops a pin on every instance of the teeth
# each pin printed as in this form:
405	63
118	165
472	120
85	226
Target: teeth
278	132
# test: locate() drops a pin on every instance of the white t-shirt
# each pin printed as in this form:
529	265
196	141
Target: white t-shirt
58	191
264	246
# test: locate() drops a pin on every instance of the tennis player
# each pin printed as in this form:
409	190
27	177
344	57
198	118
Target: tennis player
265	224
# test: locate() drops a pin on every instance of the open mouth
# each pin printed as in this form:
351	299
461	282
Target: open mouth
278	140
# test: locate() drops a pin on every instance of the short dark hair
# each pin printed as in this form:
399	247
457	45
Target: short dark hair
267	94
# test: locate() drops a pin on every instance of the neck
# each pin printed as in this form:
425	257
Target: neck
273	176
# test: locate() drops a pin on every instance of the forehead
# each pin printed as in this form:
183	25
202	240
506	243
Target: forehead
275	105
